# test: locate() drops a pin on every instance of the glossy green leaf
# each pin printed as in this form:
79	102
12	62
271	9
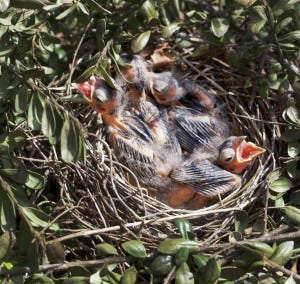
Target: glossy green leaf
170	29
171	246
34	180
7	212
95	278
138	43
260	248
21	100
66	12
200	260
148	9
182	255
13	169
219	26
109	80
48	119
11	140
38	218
35	111
241	220
212	270
72	142
135	248
106	248
184	226
95	5
162	265
290	37
39	278
293	148
292	115
5	245
283	253
4	4
129	276
184	275
281	185
292	214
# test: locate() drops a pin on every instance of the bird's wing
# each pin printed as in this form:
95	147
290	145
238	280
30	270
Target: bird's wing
206	178
195	129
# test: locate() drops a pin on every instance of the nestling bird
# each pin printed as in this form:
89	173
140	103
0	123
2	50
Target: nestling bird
184	156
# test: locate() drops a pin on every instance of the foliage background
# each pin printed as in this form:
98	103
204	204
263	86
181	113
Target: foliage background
46	45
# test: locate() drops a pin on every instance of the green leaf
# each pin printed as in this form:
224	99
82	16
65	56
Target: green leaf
292	214
21	100
11	140
34	180
39	278
13	169
138	43
129	276
219	26
162	265
7	212
184	226
184	275
5	245
290	37
33	73
72	142
200	260
257	25
261	248
283	253
241	221
281	185
86	74
4	4
95	278
35	111
48	120
171	246
135	248
38	218
212	270
170	29
106	249
66	12
292	116
293	148
232	273
109	80
182	255
148	9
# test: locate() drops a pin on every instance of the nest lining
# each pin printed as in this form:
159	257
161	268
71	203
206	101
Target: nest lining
98	198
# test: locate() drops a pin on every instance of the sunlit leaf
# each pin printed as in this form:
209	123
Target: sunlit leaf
260	248
4	4
184	275
290	37
219	26
283	253
169	30
34	181
106	249
95	278
148	9
129	276
135	248
171	246
38	218
292	214
281	185
140	42
66	12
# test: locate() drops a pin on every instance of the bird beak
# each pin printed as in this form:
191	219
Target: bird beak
247	151
85	89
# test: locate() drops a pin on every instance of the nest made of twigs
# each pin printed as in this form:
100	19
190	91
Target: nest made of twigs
97	197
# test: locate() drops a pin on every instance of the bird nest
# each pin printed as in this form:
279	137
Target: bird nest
96	199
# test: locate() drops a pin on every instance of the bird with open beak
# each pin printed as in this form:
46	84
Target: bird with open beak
179	163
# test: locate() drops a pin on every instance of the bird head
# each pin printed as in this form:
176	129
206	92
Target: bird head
236	154
98	94
164	88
